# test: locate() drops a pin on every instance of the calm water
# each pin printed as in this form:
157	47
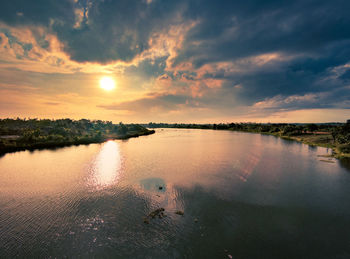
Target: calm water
243	195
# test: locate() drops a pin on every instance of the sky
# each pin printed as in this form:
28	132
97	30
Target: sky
176	61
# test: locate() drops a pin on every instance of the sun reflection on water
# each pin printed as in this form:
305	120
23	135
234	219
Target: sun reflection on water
107	165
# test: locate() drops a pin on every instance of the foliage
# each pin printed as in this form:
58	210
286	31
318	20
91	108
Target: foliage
32	133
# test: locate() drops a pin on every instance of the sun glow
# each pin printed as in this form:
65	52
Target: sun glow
107	83
107	165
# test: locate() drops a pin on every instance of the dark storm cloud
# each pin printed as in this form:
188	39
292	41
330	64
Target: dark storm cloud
232	29
317	33
147	68
38	12
116	30
346	76
299	76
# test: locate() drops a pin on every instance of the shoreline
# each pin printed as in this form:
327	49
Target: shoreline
311	139
335	152
303	139
56	145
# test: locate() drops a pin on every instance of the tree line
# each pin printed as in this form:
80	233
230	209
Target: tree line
31	133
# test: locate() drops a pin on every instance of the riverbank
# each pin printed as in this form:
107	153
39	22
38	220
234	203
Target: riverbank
18	135
54	145
331	135
323	139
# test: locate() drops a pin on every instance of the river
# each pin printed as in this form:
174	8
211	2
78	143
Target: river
243	196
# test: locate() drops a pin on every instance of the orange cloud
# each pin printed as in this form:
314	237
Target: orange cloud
52	59
166	43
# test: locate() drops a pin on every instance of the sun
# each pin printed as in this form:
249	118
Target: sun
107	83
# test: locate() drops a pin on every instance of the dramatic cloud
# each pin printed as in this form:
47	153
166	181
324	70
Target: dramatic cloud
195	60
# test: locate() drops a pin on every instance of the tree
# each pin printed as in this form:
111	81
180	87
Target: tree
312	127
122	129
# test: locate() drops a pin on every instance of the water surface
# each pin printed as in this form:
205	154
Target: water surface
244	195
